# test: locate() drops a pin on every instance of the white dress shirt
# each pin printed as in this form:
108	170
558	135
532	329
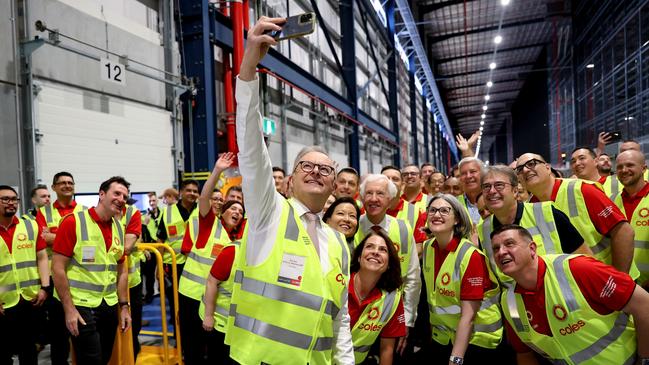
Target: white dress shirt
264	205
412	279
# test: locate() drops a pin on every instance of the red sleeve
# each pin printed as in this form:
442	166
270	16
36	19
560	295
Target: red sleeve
605	288
602	211
66	237
40	242
135	224
514	340
396	326
475	280
40	219
205	225
187	242
223	264
420	235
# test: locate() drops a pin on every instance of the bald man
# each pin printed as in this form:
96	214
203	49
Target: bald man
612	183
599	221
633	201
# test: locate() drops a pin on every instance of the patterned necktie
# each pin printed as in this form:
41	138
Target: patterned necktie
377	229
311	227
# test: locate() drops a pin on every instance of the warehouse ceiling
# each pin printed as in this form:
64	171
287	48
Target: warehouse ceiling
460	39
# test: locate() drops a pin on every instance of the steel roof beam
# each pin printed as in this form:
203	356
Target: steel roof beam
444	37
429	8
496	71
449	90
489	53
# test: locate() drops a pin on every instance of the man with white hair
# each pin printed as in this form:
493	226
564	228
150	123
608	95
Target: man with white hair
470	170
376	192
289	297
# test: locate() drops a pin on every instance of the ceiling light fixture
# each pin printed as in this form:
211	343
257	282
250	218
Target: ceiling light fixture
492	65
482	122
590	65
487	97
483	115
481	128
504	2
484	107
490	84
498	39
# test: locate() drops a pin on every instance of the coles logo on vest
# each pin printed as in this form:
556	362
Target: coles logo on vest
643	213
446	279
372	315
116	241
561	314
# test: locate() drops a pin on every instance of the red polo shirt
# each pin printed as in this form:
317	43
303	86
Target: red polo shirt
604	288
420	224
63	211
475	280
205	228
631	202
66	238
222	265
8	235
396	326
135	224
602	211
602	179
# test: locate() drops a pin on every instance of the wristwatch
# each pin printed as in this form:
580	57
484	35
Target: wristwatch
456	360
121	304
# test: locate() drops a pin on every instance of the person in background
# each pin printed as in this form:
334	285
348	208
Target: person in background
150	222
522	195
375	303
462	293
170	196
584	165
234	193
216	201
426	169
278	177
24	282
604	165
343	215
347	183
470	170
435	182
40	197
287	187
328	203
400	208
452	186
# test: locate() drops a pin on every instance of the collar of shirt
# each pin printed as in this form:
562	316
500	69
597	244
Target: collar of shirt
14	222
95	217
450	247
397	209
184	212
366	225
555	189
540	274
300	208
416	199
639	195
602	179
57	205
373	295
519	214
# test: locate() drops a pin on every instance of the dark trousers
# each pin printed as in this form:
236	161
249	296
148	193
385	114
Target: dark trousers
135	294
169	289
57	332
18	332
94	345
148	276
199	346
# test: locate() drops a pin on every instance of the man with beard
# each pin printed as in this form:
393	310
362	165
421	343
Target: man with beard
604	165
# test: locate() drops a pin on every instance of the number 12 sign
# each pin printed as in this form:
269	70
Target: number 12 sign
112	71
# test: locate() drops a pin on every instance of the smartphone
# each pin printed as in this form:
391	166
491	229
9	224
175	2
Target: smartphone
295	26
616	136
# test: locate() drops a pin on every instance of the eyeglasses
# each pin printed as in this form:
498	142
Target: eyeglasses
323	170
531	164
7	200
410	173
499	186
70	183
443	211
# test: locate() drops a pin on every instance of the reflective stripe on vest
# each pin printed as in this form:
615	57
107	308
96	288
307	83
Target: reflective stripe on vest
48	214
195	278
572	201
615	187
282	294
135	267
19	265
92	267
279	334
91	287
411	214
403	235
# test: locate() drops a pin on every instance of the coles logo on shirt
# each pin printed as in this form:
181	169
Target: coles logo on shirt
643	213
21	237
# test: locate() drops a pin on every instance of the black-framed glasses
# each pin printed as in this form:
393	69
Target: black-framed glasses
7	200
531	164
409	173
499	186
308	166
443	211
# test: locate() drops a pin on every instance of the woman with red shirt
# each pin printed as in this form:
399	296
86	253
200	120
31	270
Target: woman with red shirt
232	219
375	305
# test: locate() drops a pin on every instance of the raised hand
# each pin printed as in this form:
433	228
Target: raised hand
224	161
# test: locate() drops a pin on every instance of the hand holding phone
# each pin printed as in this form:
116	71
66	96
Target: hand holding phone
295	26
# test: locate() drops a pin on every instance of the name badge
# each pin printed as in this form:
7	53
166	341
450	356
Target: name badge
292	269
88	254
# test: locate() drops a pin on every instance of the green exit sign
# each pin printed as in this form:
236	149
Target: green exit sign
269	126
